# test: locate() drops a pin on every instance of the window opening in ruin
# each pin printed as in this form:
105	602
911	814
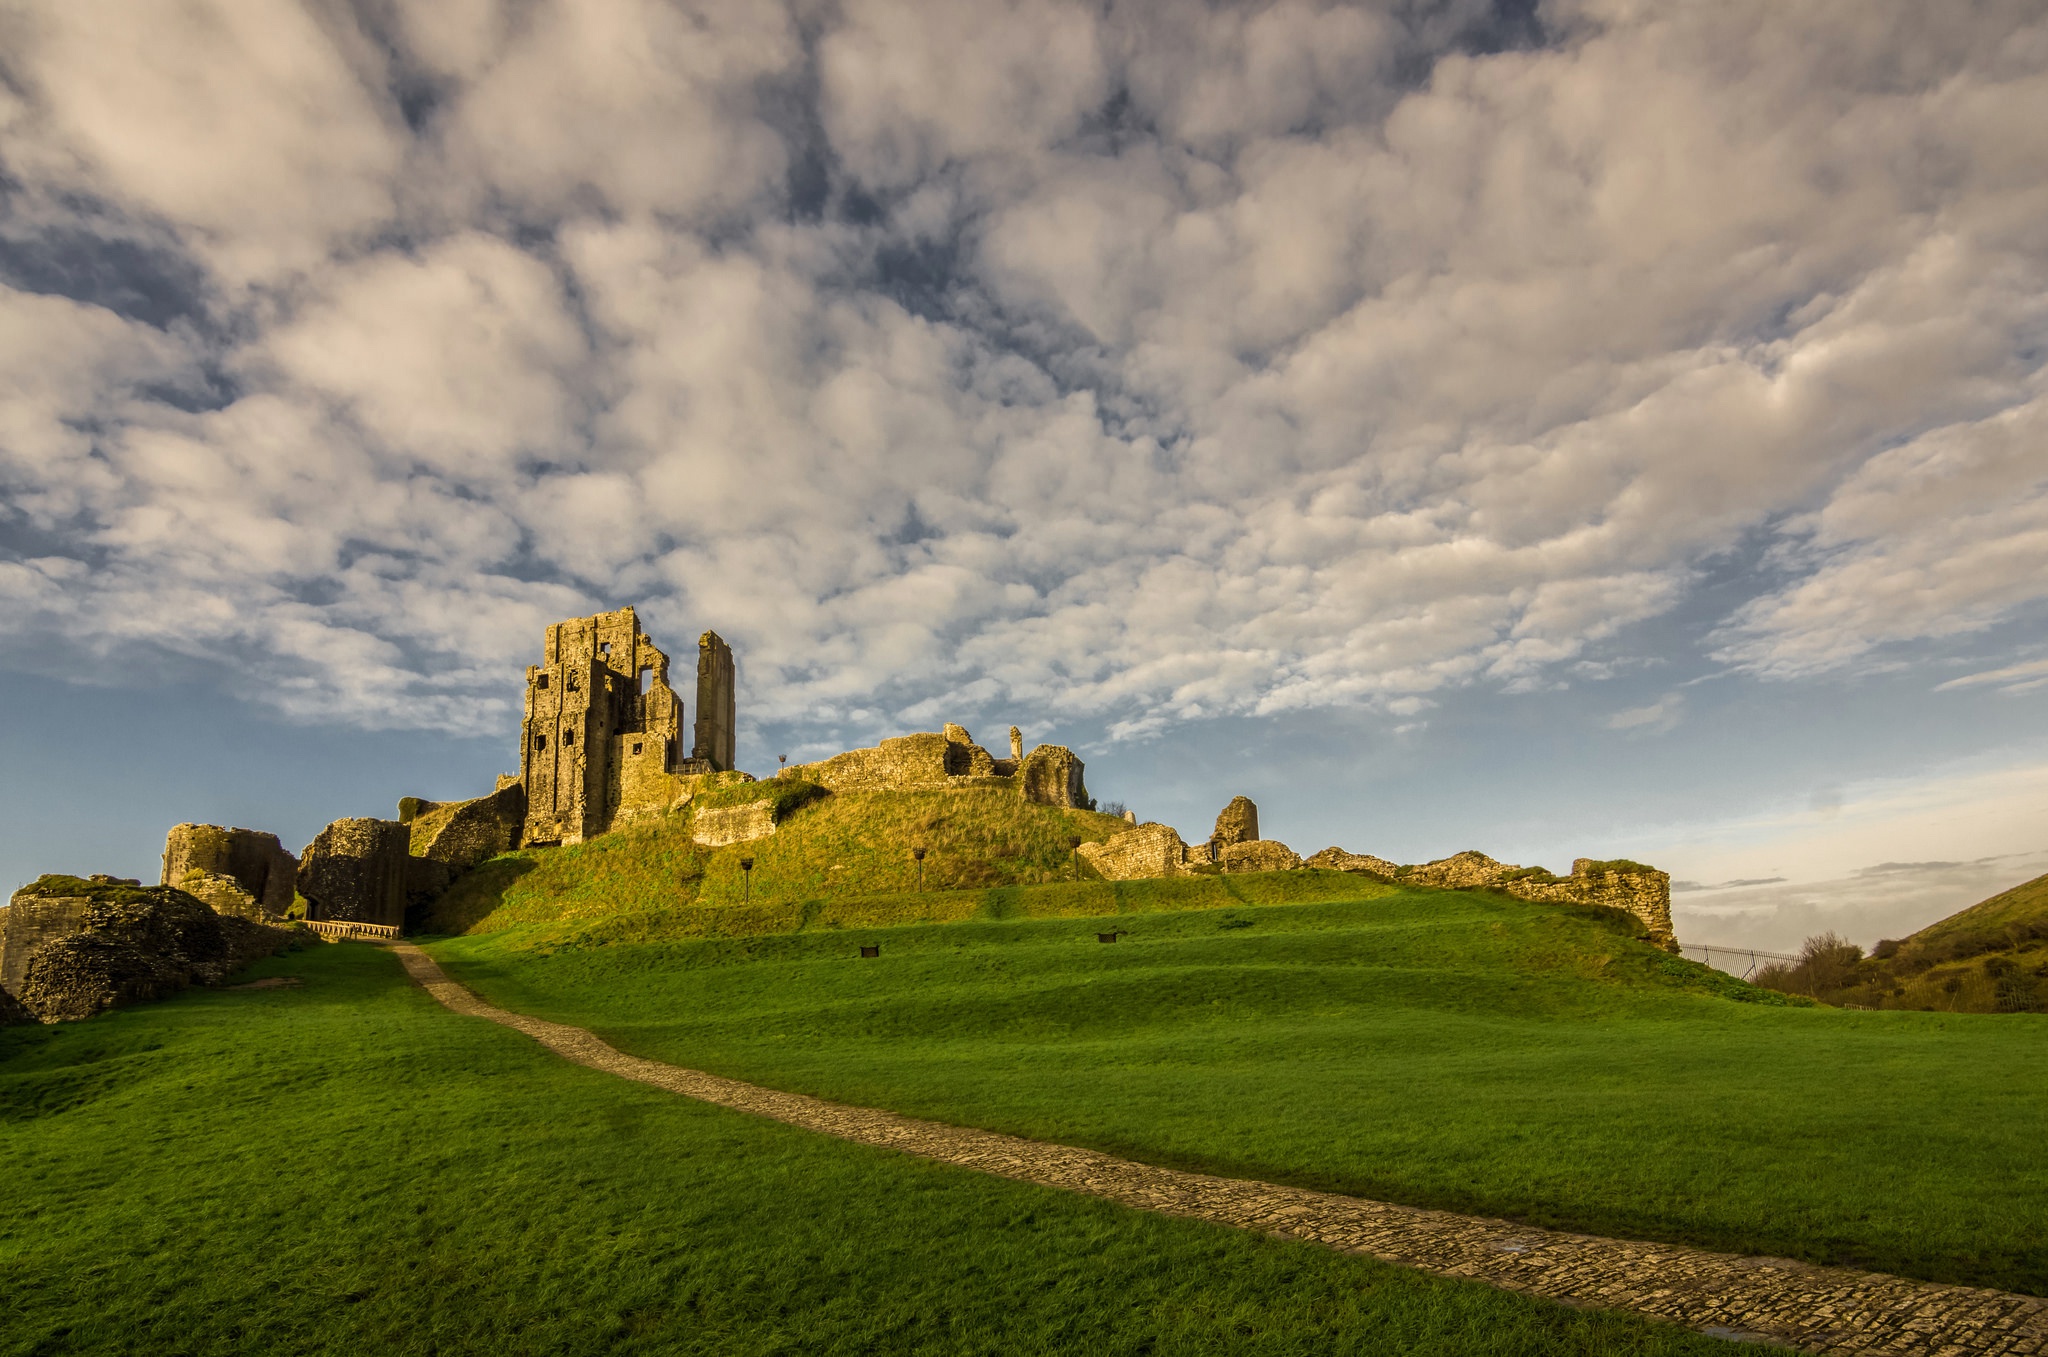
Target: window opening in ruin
541	682
604	647
540	742
572	683
636	748
568	737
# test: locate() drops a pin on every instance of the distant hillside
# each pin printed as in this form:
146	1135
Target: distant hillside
1989	958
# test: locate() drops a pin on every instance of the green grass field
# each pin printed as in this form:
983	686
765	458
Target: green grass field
347	1168
1445	1049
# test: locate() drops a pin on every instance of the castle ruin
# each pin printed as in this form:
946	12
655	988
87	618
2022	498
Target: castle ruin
602	735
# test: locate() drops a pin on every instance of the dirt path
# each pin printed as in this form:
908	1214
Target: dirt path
1828	1310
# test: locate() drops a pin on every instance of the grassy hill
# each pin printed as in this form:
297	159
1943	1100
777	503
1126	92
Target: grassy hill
651	878
1449	1049
1989	958
347	1168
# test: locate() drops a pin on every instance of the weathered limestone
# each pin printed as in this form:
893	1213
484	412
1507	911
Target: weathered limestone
1051	776
722	825
356	871
132	943
1337	860
1238	823
1150	850
236	871
1258	855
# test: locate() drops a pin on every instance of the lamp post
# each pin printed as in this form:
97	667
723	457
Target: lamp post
781	762
918	853
1074	852
746	880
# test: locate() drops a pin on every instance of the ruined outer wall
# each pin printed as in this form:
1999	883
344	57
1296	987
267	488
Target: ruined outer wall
463	833
1150	850
1647	895
901	763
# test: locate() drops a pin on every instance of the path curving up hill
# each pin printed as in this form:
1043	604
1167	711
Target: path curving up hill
1823	1310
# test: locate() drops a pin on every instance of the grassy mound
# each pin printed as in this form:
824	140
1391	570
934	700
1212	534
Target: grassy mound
828	848
347	1168
1452	1049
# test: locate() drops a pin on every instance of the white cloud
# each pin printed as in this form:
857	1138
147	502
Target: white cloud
1655	719
1144	364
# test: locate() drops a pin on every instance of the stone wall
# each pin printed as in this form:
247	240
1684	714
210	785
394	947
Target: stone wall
236	871
1337	860
356	871
722	825
1238	823
1150	850
1645	894
1049	774
1258	855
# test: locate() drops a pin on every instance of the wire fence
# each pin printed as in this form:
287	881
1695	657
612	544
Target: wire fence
1737	961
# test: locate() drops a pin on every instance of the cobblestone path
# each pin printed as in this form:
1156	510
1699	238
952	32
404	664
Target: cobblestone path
1825	1310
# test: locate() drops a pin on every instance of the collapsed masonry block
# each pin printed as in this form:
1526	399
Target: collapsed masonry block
1051	776
236	871
356	871
1337	860
722	825
462	834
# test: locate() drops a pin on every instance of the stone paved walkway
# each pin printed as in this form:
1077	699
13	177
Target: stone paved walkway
1824	1310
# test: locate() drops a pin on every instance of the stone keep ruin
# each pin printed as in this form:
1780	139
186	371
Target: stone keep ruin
602	737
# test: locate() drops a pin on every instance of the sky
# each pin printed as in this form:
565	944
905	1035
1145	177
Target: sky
1586	428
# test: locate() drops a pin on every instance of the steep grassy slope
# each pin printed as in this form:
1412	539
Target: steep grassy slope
836	847
1441	1048
346	1168
1989	958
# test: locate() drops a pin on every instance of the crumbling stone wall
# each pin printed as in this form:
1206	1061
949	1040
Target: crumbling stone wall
1150	850
1238	823
1049	775
355	871
1337	860
1258	855
724	825
236	871
1645	893
717	709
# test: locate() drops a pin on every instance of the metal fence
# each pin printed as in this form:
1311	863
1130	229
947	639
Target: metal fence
1737	961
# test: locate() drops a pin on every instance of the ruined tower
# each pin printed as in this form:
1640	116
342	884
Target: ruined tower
595	733
715	704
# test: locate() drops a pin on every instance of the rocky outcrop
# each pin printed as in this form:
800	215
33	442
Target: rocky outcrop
237	871
1337	860
356	871
1238	823
133	944
1258	855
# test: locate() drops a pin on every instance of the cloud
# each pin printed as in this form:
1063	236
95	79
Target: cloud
1133	364
1660	716
2013	678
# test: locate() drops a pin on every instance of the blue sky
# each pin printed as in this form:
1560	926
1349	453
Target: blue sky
1583	428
